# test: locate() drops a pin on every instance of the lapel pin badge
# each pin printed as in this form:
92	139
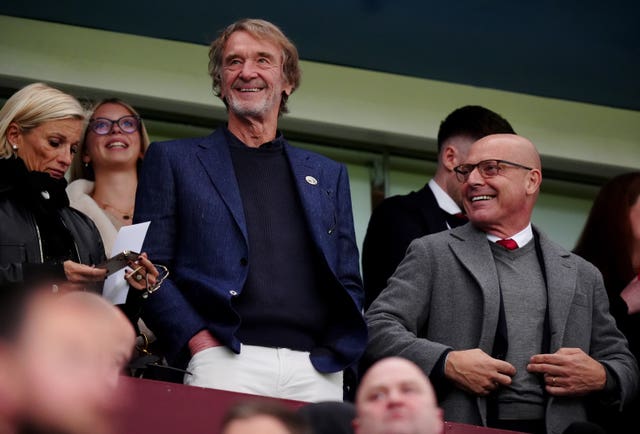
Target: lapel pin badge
311	180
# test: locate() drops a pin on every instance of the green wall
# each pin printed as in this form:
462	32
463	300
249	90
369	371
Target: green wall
376	117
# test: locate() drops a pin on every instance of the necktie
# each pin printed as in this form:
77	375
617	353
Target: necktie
455	220
508	244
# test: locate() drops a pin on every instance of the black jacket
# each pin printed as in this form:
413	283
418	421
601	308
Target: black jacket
21	253
394	223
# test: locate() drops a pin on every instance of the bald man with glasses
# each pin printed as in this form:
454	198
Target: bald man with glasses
513	330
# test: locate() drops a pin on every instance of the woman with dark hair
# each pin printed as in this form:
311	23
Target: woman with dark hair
611	241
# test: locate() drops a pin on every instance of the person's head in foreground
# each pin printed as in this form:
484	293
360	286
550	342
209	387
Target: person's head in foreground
396	397
70	352
264	417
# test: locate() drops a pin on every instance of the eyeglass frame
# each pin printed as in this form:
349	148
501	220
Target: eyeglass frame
472	167
117	121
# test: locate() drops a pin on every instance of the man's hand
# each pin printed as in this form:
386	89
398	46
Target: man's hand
477	372
201	341
569	372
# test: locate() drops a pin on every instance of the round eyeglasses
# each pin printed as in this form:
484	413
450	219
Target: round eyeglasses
486	168
127	124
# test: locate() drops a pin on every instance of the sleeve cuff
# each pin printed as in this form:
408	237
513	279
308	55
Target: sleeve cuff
52	271
437	377
611	392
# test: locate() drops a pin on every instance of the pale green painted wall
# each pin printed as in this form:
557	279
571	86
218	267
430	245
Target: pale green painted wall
174	75
175	72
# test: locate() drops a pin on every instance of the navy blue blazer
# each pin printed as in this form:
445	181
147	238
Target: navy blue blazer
189	192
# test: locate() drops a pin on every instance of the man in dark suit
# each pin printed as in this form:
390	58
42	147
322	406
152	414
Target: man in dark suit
515	337
398	220
264	294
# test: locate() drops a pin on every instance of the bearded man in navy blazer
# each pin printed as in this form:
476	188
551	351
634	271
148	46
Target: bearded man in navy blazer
264	294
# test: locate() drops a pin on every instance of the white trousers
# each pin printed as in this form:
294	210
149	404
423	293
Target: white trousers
275	372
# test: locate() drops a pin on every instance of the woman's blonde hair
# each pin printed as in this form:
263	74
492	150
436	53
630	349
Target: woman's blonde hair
32	106
79	170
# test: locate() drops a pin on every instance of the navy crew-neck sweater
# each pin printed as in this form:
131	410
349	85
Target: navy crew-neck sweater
282	303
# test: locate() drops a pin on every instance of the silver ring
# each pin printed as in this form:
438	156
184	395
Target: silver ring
553	381
138	277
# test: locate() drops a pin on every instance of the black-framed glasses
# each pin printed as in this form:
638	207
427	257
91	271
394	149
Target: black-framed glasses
128	124
486	168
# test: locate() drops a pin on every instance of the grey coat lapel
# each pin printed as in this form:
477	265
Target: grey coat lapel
561	283
472	249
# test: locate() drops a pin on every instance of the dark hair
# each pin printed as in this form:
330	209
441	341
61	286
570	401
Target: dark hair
606	239
329	417
294	422
472	121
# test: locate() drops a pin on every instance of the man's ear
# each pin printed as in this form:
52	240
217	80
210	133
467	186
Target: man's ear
533	181
287	88
450	157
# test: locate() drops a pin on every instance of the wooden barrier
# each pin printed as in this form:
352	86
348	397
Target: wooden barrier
158	407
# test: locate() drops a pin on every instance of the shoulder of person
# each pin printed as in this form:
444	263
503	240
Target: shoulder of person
76	214
182	144
395	210
435	243
411	200
312	156
79	188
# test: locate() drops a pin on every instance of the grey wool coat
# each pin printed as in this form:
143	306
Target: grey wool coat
445	295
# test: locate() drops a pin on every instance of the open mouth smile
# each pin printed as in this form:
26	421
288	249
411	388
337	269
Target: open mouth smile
119	145
480	198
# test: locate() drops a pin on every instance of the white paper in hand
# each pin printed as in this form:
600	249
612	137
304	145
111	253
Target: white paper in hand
129	238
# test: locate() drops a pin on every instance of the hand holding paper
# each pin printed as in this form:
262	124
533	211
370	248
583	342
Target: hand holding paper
129	238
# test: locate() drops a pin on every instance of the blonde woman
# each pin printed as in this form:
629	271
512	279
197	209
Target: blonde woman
43	239
104	178
104	172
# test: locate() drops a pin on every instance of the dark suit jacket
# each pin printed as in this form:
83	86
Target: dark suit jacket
445	295
394	223
189	192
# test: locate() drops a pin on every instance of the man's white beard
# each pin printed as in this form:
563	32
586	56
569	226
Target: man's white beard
249	108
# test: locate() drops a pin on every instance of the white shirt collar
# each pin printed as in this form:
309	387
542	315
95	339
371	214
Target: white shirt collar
444	200
522	237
